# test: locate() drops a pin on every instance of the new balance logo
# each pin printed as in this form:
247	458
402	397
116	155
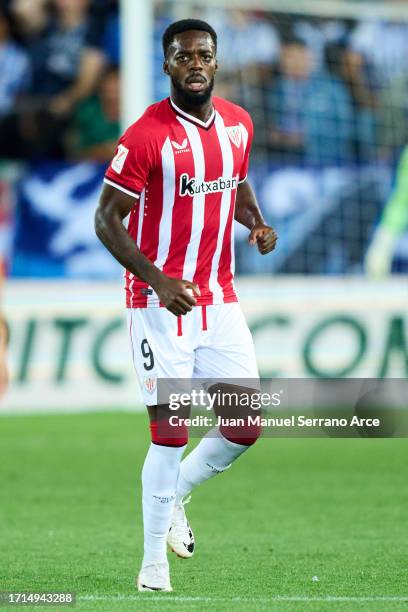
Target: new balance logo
189	186
180	147
214	469
164	500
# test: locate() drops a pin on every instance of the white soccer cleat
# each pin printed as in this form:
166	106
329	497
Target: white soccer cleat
154	578
180	537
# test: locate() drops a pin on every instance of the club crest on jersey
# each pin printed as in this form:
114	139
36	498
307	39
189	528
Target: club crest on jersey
149	383
235	135
190	187
120	158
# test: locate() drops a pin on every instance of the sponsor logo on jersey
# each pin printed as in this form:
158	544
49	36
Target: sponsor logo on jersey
189	186
120	158
180	147
235	135
149	383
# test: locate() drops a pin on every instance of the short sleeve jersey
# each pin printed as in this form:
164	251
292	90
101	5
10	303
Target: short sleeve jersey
184	174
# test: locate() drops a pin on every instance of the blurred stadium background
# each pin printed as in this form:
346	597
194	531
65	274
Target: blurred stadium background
326	83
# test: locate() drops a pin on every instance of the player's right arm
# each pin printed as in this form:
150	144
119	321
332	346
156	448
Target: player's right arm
114	207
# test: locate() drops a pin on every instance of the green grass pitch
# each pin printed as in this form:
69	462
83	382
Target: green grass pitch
287	511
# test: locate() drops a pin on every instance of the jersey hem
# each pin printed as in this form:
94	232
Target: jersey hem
200	302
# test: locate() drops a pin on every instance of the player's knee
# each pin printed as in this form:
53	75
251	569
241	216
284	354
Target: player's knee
246	434
164	434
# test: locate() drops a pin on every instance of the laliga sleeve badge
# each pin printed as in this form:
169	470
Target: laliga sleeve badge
120	158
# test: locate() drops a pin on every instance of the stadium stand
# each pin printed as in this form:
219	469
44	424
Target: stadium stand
328	104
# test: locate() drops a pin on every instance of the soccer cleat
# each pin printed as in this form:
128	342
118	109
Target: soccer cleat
180	537
154	578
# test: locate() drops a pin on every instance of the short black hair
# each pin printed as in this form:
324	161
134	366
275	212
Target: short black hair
294	40
186	25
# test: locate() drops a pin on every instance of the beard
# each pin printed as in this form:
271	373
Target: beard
191	99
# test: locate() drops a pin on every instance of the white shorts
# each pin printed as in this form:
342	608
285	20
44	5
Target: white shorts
209	342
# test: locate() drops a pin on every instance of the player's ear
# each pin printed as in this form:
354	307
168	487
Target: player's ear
216	64
166	67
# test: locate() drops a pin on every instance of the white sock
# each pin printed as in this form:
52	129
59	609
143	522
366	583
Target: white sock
159	481
213	455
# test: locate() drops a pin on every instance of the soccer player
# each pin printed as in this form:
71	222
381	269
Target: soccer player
180	173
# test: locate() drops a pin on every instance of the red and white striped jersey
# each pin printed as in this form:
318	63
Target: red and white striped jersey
184	174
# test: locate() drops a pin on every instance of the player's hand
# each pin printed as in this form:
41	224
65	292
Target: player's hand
176	294
264	236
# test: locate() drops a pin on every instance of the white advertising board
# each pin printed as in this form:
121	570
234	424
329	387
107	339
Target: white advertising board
70	351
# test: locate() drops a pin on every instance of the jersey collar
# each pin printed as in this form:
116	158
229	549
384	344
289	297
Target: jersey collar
205	124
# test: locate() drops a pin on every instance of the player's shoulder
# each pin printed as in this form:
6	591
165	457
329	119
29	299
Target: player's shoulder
232	112
154	123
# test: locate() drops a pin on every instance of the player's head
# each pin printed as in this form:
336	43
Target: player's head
190	48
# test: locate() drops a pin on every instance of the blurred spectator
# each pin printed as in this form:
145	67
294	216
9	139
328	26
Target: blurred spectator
384	44
14	68
349	67
66	64
30	16
66	60
358	77
310	112
248	47
245	40
319	32
286	99
97	121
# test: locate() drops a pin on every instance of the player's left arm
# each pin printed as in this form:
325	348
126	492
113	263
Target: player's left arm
247	212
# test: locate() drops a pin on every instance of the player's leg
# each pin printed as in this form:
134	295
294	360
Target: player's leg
228	353
158	353
159	482
214	454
